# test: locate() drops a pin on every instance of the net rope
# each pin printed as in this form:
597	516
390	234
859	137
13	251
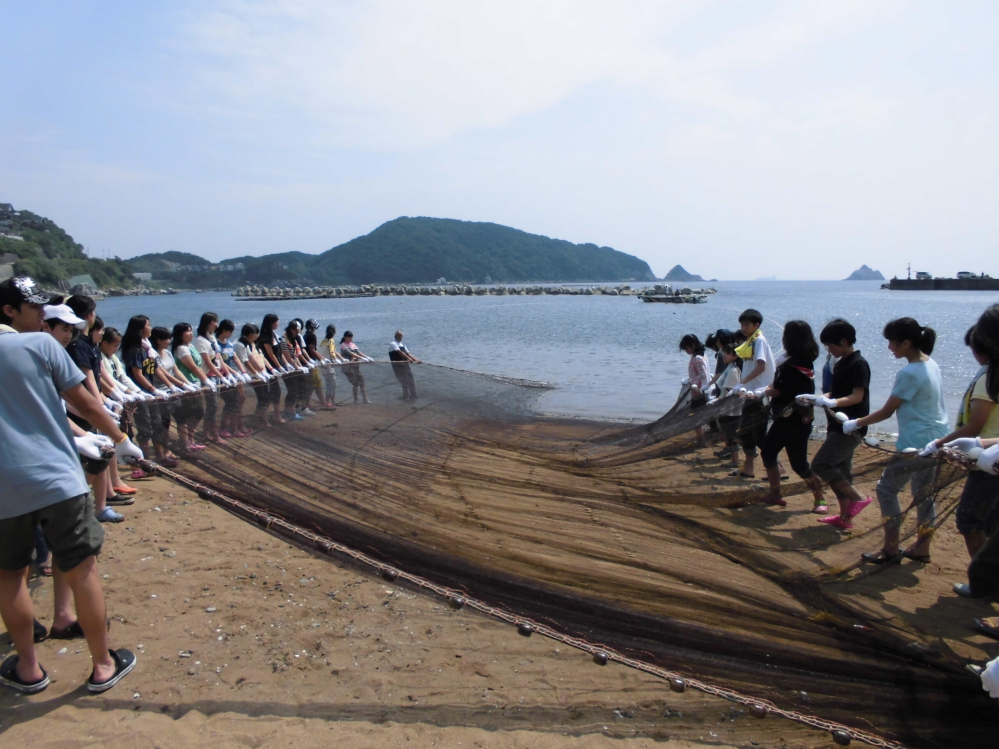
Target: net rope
632	537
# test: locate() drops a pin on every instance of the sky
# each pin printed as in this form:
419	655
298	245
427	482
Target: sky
740	139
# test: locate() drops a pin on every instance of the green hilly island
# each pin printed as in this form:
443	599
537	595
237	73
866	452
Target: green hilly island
403	251
412	250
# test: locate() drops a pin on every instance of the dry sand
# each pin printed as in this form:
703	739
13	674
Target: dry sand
290	650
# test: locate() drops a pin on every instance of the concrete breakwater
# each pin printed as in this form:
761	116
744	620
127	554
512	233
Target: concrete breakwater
263	293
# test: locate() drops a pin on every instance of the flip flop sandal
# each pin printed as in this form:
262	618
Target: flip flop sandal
40	633
70	632
124	662
921	558
137	474
45	570
820	509
119	500
739	474
881	557
985	626
9	678
125	490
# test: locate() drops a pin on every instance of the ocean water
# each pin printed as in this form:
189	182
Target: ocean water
607	357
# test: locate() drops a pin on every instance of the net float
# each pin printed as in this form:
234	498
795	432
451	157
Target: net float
910	451
841	737
456	602
872	441
677	685
975	453
841	417
600	658
758	711
390	574
524	629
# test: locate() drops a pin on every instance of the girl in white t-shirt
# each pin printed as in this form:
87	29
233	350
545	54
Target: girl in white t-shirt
327	350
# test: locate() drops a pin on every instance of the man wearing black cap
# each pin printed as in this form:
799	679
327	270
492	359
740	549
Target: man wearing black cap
44	485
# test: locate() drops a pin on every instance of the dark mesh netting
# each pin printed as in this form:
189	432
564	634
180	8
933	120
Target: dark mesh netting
633	537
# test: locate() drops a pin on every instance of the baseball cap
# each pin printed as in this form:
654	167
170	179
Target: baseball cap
63	313
22	289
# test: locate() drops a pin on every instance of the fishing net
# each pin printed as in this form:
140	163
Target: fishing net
629	536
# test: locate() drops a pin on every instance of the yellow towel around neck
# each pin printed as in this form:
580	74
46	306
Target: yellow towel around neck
745	350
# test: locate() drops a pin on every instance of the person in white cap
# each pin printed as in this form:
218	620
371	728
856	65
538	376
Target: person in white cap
44	485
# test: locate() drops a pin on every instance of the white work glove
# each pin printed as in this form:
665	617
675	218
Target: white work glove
685	381
369	359
190	387
262	376
738	389
288	369
113	407
850	426
822	402
127	449
161	392
174	390
303	370
116	395
807	399
931	449
988	461
760	393
90	445
111	413
964	444
208	384
145	396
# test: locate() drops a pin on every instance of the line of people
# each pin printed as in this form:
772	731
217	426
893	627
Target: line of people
767	405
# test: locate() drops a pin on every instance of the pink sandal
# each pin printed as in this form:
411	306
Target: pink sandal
837	520
856	507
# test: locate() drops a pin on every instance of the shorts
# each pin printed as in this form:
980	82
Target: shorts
978	509
71	530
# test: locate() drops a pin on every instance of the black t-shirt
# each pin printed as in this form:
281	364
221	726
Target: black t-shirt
311	342
140	359
793	378
851	372
86	355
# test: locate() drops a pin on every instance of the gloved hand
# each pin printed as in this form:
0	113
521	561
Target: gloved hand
110	412
210	386
161	392
822	402
262	376
114	407
288	369
116	395
90	445
127	449
759	392
806	399
850	426
964	444
931	449
191	387
129	398
988	461
303	370
174	390
739	389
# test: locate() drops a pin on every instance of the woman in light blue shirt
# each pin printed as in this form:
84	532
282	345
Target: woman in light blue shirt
917	401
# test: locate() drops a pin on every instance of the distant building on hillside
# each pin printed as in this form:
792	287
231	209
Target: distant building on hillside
7	211
142	276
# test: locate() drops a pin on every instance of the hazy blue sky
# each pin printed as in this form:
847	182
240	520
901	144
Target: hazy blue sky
738	138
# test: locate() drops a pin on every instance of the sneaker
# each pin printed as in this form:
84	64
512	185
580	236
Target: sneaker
820	509
298	417
107	515
119	500
308	412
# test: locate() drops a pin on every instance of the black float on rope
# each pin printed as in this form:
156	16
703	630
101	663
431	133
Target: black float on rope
841	737
205	493
456	602
758	710
677	685
600	658
524	629
389	574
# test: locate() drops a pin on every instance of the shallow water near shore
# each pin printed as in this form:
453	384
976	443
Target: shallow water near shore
607	357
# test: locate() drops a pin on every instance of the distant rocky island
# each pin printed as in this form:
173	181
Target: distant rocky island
678	273
411	251
863	273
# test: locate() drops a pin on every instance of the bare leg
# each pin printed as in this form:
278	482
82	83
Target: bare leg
847	495
98	484
815	484
63	615
18	615
773	478
92	615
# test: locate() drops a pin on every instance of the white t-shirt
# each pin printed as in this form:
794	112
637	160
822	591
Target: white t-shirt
208	347
166	358
242	354
761	352
730	377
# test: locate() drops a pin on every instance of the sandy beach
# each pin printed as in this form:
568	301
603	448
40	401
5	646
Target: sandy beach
244	640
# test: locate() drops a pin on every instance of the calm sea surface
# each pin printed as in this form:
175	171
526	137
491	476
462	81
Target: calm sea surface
608	357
